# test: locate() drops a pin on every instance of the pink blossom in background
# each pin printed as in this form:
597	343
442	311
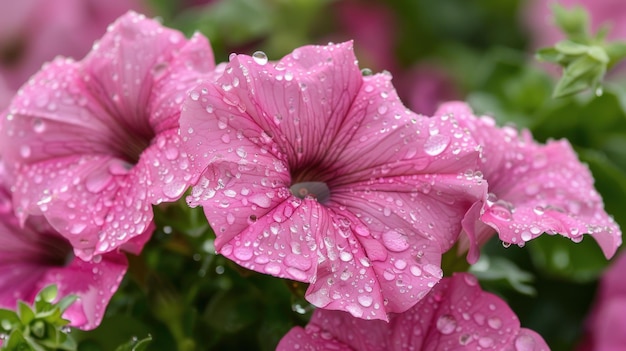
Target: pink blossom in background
94	144
533	188
455	315
606	326
315	173
424	87
35	31
372	26
538	19
35	256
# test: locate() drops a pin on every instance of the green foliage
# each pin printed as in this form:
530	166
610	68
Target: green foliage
135	344
585	59
39	327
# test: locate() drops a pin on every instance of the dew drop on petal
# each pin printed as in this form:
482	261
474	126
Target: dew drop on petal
485	342
502	210
243	253
494	322
395	241
446	324
524	343
259	57
39	126
365	300
436	144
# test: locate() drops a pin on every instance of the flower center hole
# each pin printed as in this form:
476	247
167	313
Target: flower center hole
311	190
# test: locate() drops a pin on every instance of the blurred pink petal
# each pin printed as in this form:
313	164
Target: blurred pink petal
455	315
533	188
607	321
95	144
35	256
35	31
424	87
372	26
315	173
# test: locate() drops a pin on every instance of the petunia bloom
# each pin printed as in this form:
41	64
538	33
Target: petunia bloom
533	188
95	143
34	256
313	172
607	321
455	315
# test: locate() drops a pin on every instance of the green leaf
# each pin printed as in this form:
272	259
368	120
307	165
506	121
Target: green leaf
574	22
616	52
25	313
500	269
135	344
549	54
16	342
9	319
48	294
569	47
583	73
65	302
560	257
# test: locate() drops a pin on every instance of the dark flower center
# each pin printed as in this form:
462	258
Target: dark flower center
316	190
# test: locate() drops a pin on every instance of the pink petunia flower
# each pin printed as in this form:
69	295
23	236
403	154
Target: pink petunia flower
35	256
455	315
35	31
315	173
607	322
95	143
533	188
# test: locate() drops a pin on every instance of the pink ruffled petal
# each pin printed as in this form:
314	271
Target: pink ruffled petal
536	188
456	314
95	143
34	256
311	339
300	101
94	283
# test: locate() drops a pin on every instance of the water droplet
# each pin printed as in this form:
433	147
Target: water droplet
526	235
485	342
502	210
524	343
272	268
366	72
365	300
464	339
395	241
25	151
599	91
446	324
259	57
39	125
243	253
494	322
436	144
539	210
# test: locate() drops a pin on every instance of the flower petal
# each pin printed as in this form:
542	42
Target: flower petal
94	283
536	188
456	314
300	101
